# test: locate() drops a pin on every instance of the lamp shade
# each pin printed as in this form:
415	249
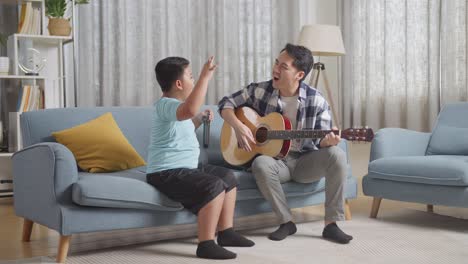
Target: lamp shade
322	40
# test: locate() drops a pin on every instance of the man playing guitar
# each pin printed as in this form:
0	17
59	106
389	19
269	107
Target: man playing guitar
309	159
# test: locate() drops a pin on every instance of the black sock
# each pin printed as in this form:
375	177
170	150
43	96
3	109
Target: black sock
229	238
210	250
334	233
283	231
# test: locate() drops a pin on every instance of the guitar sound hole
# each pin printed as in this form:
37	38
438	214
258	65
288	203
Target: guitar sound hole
261	135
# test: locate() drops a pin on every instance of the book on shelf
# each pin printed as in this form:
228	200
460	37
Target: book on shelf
29	19
14	137
30	98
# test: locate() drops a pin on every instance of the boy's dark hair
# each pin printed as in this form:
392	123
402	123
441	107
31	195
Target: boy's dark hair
169	70
303	59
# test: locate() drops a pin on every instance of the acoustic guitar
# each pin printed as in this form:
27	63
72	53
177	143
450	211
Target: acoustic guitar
273	135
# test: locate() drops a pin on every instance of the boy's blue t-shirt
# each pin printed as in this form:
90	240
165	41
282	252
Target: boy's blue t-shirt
173	143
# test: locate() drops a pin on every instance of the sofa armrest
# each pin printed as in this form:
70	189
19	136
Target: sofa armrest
43	175
390	142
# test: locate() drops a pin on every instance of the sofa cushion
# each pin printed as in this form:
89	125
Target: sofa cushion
125	189
245	179
99	145
448	140
436	170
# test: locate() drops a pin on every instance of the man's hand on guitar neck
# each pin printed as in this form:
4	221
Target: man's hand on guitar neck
330	139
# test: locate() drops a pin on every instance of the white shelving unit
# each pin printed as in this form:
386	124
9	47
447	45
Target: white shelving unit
51	80
51	48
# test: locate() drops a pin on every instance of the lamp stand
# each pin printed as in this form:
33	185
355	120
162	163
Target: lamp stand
319	68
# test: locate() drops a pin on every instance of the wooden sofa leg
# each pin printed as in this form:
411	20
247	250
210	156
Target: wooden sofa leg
430	208
347	211
375	207
27	229
63	249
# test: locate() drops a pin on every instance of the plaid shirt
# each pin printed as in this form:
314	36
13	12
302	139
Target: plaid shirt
313	111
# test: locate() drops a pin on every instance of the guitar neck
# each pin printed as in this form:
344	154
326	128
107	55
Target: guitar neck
295	134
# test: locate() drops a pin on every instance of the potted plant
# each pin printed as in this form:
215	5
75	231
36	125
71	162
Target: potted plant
4	61
59	25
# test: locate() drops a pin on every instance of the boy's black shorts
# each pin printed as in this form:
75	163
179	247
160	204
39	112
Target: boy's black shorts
193	188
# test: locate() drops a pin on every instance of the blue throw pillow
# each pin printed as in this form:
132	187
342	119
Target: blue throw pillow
448	140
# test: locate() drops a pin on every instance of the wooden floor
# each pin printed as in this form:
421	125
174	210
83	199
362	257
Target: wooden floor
44	241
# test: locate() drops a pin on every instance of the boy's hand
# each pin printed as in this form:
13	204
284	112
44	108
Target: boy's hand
208	69
208	113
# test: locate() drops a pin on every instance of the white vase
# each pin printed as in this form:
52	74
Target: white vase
4	65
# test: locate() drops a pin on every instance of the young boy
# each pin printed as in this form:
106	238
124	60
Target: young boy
173	158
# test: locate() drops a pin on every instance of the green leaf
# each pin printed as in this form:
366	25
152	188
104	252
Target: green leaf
56	8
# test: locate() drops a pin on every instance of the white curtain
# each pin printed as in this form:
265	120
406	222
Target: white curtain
404	60
119	43
454	49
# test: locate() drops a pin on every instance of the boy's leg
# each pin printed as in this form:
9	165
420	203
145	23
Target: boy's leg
226	218
201	193
226	234
227	237
208	218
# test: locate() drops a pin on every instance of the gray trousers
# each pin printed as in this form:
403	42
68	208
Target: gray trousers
303	168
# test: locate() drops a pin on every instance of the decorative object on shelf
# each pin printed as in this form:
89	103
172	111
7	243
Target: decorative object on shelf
59	25
4	61
31	62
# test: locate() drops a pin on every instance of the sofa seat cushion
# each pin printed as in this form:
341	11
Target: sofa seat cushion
435	170
245	179
125	189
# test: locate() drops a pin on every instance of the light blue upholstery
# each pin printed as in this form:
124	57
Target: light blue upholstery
119	192
50	190
422	167
436	170
450	135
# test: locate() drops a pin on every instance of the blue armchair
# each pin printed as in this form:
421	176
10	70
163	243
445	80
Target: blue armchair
429	168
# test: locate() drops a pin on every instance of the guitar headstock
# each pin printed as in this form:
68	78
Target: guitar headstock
358	134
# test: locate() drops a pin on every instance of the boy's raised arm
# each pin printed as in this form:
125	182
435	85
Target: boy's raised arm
194	101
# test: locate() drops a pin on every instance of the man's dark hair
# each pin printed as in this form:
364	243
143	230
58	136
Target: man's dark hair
303	59
170	70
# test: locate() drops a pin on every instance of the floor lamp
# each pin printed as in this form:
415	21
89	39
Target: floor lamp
323	40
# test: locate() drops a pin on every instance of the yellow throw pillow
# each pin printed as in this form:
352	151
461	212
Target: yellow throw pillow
100	146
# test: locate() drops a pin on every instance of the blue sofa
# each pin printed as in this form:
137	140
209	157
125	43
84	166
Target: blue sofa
428	168
49	189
